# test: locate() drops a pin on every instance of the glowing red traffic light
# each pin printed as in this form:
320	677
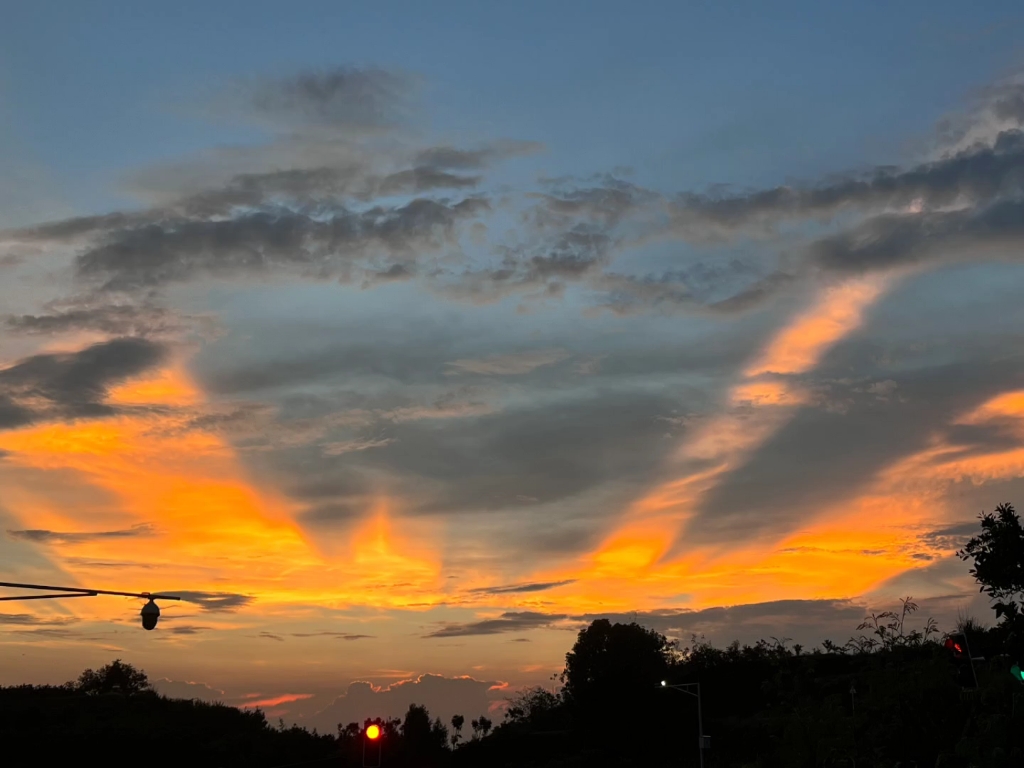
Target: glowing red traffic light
373	732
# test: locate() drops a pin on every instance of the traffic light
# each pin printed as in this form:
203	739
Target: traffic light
959	652
372	743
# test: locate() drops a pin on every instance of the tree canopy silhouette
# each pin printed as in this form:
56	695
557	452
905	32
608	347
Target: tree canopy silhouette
116	677
998	555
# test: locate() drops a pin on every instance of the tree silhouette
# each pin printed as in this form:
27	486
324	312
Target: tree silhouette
423	740
613	667
998	555
481	726
116	677
457	722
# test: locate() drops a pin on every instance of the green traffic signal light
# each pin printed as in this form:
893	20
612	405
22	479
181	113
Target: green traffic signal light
1017	673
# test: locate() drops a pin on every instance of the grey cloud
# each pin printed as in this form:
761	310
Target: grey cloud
1008	103
472	159
72	385
951	537
415	357
82	562
540	586
352	99
30	620
628	294
42	536
894	240
215	602
976	176
336	635
550	452
333	513
422	179
993	108
508	622
183	249
270	636
113	319
187	629
511	364
946	576
607	201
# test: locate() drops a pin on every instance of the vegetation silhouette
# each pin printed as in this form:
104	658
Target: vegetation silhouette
894	695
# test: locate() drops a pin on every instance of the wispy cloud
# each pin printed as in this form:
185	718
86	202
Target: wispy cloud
225	602
42	536
508	622
539	586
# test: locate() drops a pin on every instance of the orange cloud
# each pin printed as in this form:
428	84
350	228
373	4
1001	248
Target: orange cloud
276	701
629	570
214	528
840	310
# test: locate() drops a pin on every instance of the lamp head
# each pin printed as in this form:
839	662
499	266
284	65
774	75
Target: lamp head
150	615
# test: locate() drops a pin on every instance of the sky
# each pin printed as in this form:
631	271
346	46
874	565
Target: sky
402	342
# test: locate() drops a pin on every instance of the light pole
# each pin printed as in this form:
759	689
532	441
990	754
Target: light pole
150	611
701	738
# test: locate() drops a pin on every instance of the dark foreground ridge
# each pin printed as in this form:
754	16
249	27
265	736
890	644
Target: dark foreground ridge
895	695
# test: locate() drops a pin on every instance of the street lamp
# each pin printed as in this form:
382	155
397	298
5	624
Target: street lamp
703	742
150	611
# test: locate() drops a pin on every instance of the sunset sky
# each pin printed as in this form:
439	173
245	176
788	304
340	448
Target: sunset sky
403	340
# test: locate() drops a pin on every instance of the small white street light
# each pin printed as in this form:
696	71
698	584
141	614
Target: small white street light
703	741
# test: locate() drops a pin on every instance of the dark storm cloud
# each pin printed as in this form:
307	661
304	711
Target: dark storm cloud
72	385
826	454
520	621
509	589
215	602
42	536
365	100
976	176
180	250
